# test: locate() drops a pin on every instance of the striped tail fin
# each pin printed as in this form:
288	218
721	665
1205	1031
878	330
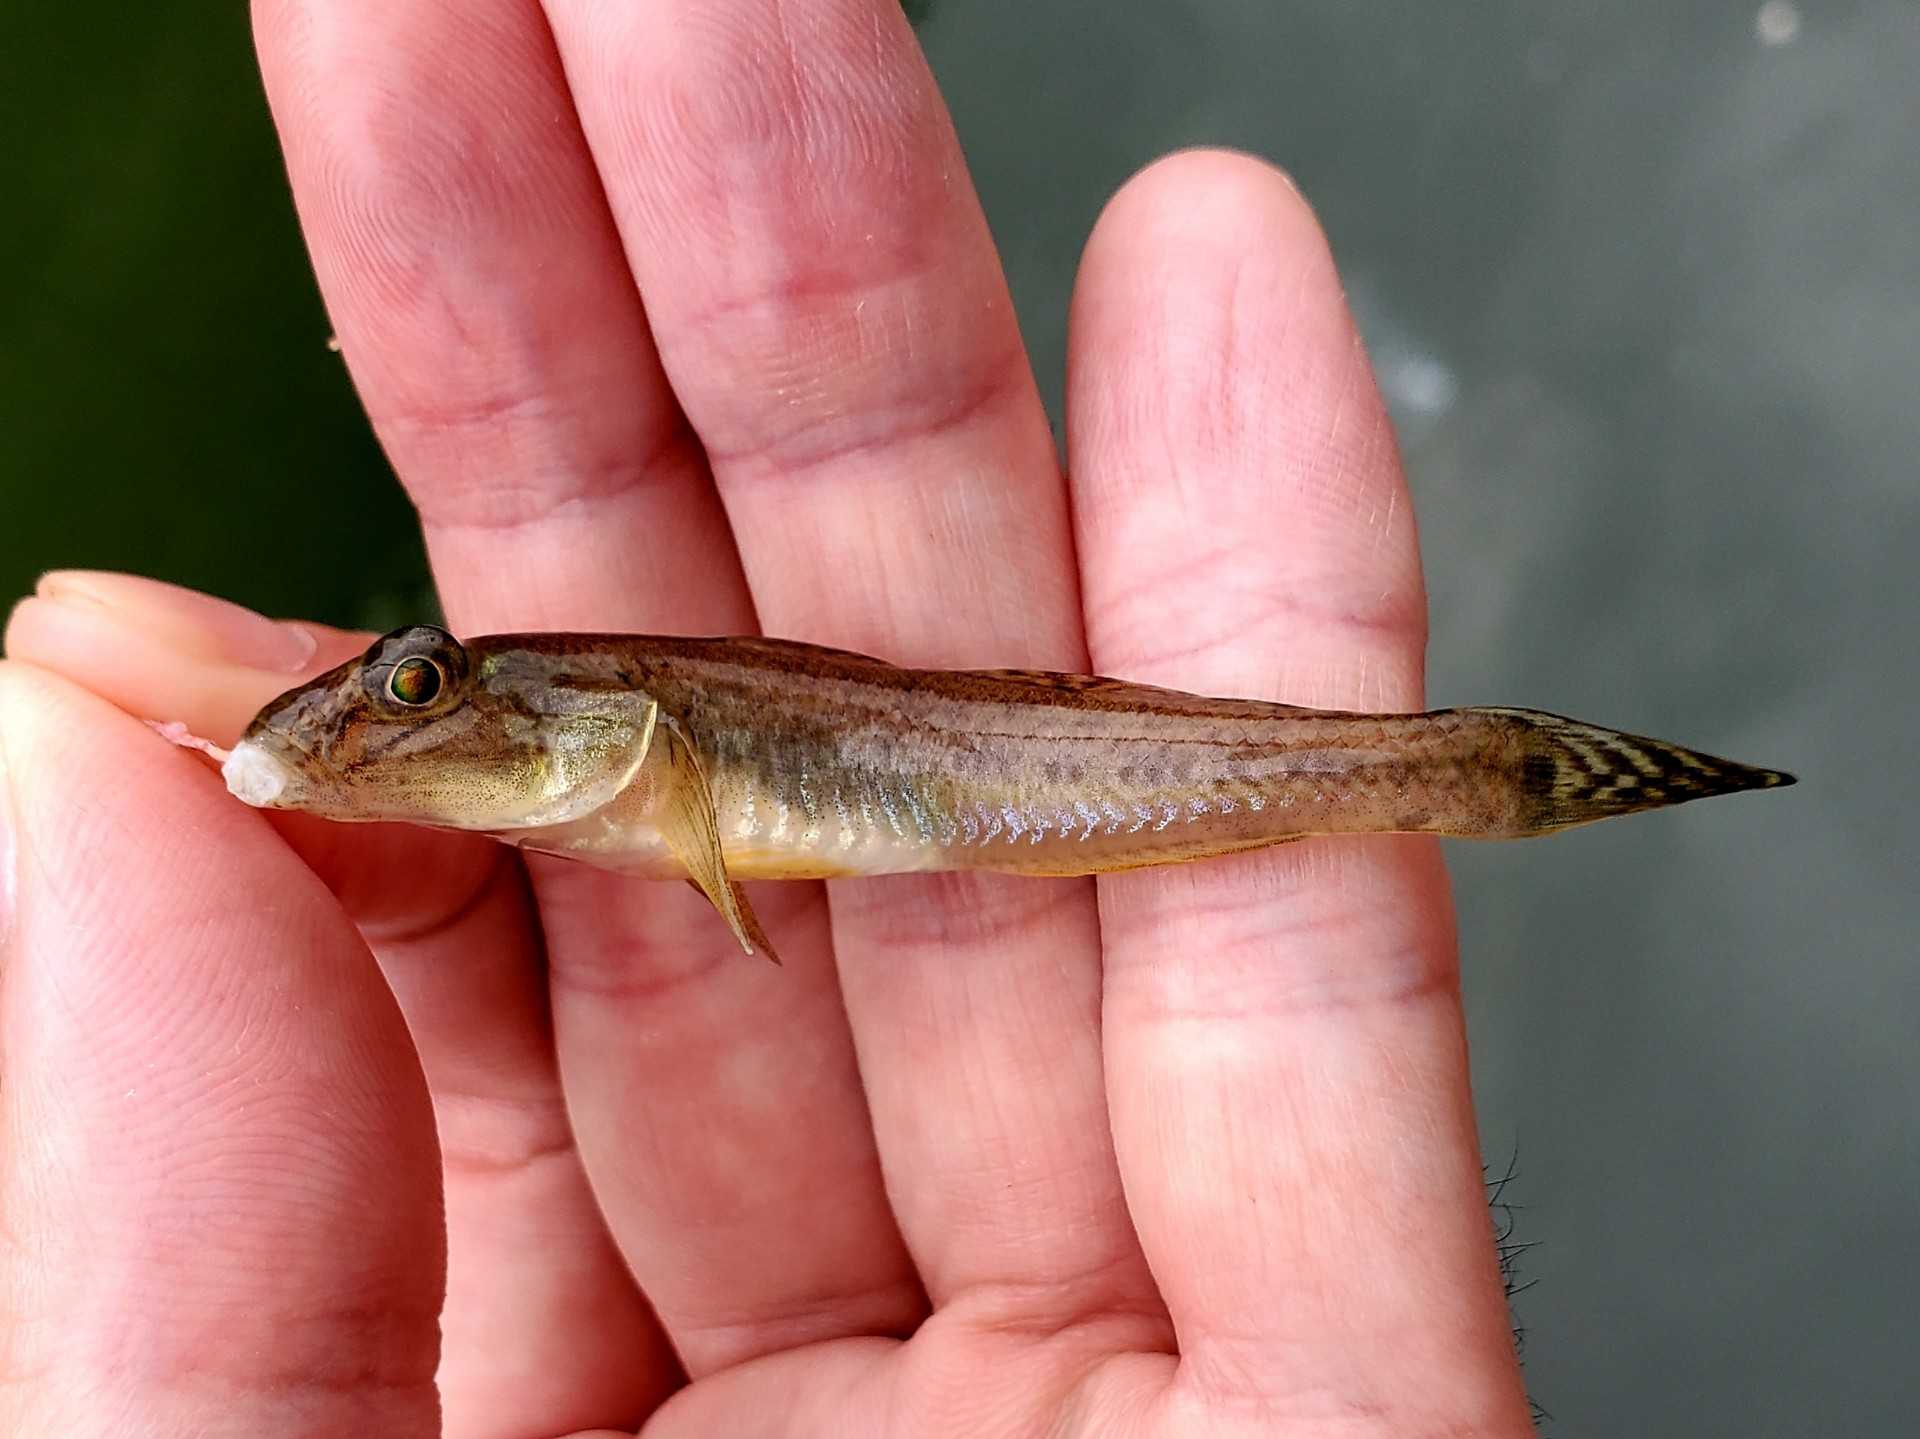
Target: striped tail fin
1575	773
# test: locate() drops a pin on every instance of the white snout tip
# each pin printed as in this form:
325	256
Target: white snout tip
254	776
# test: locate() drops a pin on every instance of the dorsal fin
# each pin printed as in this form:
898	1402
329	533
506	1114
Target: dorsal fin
1128	694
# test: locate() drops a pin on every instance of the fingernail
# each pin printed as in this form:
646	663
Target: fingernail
185	619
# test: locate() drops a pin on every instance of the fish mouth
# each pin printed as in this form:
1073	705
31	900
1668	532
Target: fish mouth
269	772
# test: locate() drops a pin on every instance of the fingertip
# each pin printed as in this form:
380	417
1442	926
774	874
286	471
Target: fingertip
1214	192
166	653
192	621
1211	265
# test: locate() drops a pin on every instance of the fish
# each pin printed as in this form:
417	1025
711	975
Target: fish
719	760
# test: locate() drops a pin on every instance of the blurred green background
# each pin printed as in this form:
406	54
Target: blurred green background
170	403
1642	283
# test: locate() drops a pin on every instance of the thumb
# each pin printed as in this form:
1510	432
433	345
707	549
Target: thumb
219	1177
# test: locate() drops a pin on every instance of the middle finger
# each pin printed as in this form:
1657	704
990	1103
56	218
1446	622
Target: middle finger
831	312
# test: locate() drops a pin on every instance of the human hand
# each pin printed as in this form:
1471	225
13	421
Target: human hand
704	335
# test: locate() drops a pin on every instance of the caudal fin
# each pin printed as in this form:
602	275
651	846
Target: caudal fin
1574	773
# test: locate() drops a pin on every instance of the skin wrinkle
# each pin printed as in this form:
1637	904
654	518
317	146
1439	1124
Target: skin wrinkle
540	1135
1231	1373
1112	1398
1391	625
613	977
879	1311
1408	974
806	447
1231	1387
339	1369
1338	871
532	491
1418	979
539	488
867	342
955	913
1089	1300
1202	635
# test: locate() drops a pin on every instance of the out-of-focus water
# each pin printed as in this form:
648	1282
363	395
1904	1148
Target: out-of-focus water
1642	283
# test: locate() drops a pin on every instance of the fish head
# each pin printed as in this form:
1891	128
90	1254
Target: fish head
489	736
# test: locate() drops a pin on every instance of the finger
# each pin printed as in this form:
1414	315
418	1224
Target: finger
221	1159
476	284
832	314
450	920
1293	1018
164	653
463	242
827	301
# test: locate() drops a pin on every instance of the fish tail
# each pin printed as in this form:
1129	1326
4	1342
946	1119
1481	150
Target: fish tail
1573	773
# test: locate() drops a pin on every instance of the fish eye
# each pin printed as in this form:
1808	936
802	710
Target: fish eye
415	682
416	668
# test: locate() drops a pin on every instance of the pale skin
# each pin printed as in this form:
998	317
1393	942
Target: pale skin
1173	1153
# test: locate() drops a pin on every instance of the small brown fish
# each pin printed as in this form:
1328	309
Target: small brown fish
717	760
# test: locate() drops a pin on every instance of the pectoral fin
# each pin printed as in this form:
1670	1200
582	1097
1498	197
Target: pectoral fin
688	824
